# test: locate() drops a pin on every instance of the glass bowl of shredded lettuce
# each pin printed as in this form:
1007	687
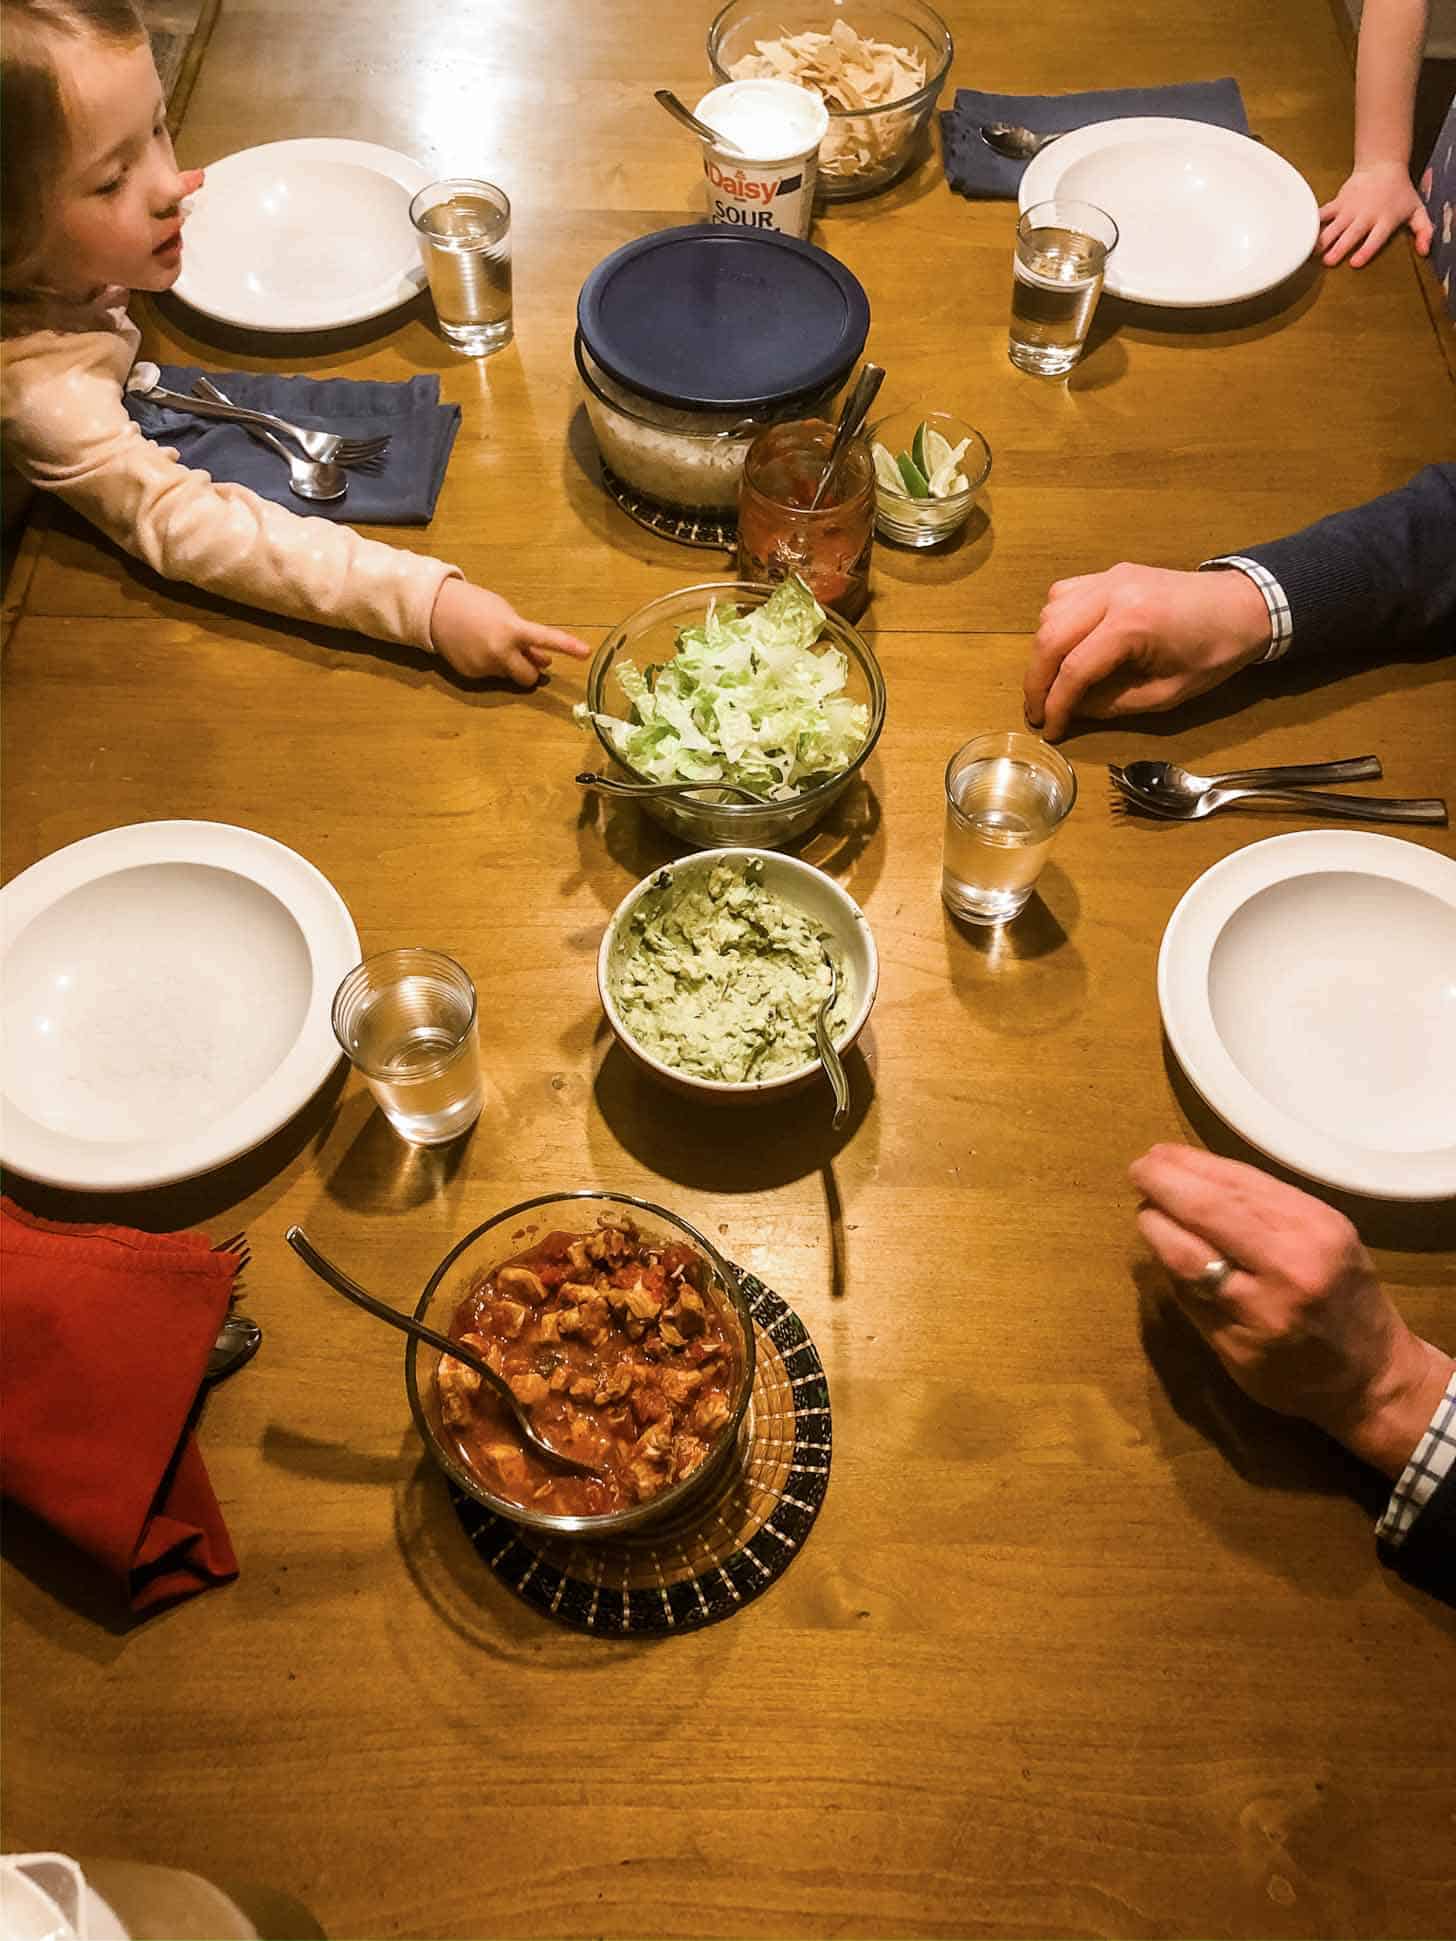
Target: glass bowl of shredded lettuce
732	681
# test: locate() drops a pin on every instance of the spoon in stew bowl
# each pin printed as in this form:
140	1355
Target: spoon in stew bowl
407	1324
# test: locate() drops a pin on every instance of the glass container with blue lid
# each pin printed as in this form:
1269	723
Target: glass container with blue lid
689	341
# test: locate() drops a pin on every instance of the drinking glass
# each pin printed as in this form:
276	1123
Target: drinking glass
829	548
1062	249
1006	795
464	232
407	1020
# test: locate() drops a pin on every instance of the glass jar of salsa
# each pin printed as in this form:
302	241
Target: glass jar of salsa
829	548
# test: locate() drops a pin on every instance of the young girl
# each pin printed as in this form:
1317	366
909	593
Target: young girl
92	210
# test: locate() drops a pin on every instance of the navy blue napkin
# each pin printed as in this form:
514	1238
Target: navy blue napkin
976	170
398	490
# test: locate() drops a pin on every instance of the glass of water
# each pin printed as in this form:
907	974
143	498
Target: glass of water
407	1020
464	231
1006	795
1062	249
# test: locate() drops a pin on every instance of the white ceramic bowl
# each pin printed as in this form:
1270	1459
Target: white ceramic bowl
1308	989
807	889
1204	215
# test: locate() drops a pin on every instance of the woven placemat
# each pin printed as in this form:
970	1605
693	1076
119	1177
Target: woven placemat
714	531
725	1548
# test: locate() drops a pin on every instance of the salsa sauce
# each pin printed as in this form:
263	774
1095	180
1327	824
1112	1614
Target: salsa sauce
620	1351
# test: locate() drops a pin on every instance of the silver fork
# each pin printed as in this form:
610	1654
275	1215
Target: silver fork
326	447
1311	802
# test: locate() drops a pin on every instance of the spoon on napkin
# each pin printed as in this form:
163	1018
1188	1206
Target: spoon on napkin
407	1324
1016	143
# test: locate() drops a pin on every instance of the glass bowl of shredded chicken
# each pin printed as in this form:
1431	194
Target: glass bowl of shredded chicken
878	69
621	1331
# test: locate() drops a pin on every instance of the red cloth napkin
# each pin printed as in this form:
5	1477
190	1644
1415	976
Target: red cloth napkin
105	1339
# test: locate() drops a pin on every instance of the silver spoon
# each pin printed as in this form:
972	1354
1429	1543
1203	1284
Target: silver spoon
828	1056
609	785
1168	782
856	405
681	112
1016	143
407	1324
1314	803
238	1340
306	476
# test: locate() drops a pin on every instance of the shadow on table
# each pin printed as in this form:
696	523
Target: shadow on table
467	1596
967	550
1273	1453
750	1148
1324	686
261	1174
378	1172
256	352
1023	978
1409	1227
841	843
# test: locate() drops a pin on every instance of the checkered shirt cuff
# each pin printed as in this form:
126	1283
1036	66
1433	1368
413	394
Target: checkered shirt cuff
1281	620
1433	1459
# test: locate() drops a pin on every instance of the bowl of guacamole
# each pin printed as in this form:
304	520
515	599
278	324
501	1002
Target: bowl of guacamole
712	970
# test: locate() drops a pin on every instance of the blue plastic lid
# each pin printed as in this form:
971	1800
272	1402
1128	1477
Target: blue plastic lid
716	318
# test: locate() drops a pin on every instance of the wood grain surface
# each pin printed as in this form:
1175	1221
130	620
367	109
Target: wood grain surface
1081	1643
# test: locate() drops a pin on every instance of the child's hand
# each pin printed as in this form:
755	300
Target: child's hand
192	179
1376	200
480	634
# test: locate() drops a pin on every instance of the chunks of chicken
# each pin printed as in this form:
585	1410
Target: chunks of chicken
649	1404
687	1453
522	1283
710	1415
688	1316
507	1318
679	1385
528	1388
458	1385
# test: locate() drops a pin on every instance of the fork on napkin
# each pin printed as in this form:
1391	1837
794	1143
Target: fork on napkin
401	492
976	170
107	1332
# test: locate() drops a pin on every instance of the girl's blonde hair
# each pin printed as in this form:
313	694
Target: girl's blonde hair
34	143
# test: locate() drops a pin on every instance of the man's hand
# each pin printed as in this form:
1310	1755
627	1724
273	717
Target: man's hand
480	634
1301	1323
1139	639
1377	199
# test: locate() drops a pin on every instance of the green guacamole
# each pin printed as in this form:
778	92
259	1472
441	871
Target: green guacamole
721	979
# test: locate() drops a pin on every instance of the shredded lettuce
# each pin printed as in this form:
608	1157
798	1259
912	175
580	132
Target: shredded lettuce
745	698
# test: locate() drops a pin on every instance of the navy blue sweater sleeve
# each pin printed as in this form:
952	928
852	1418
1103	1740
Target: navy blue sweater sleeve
1378	578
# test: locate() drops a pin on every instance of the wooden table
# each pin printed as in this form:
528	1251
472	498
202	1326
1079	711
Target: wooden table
1080	1644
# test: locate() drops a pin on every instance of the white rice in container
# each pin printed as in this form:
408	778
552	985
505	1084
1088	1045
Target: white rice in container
688	459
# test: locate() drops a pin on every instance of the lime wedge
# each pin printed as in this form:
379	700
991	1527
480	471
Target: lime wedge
946	479
923	461
887	472
937	451
916	483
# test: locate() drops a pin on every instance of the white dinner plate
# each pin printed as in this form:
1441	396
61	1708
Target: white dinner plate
303	235
1204	216
166	999
1308	989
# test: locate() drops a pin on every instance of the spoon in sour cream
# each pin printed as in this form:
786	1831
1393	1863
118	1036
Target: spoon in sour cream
680	111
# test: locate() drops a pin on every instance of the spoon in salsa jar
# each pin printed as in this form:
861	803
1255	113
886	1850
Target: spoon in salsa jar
856	409
407	1324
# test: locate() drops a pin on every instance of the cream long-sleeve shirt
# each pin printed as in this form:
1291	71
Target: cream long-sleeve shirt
63	368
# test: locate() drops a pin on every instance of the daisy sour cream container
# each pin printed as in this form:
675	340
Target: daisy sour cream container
769	184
